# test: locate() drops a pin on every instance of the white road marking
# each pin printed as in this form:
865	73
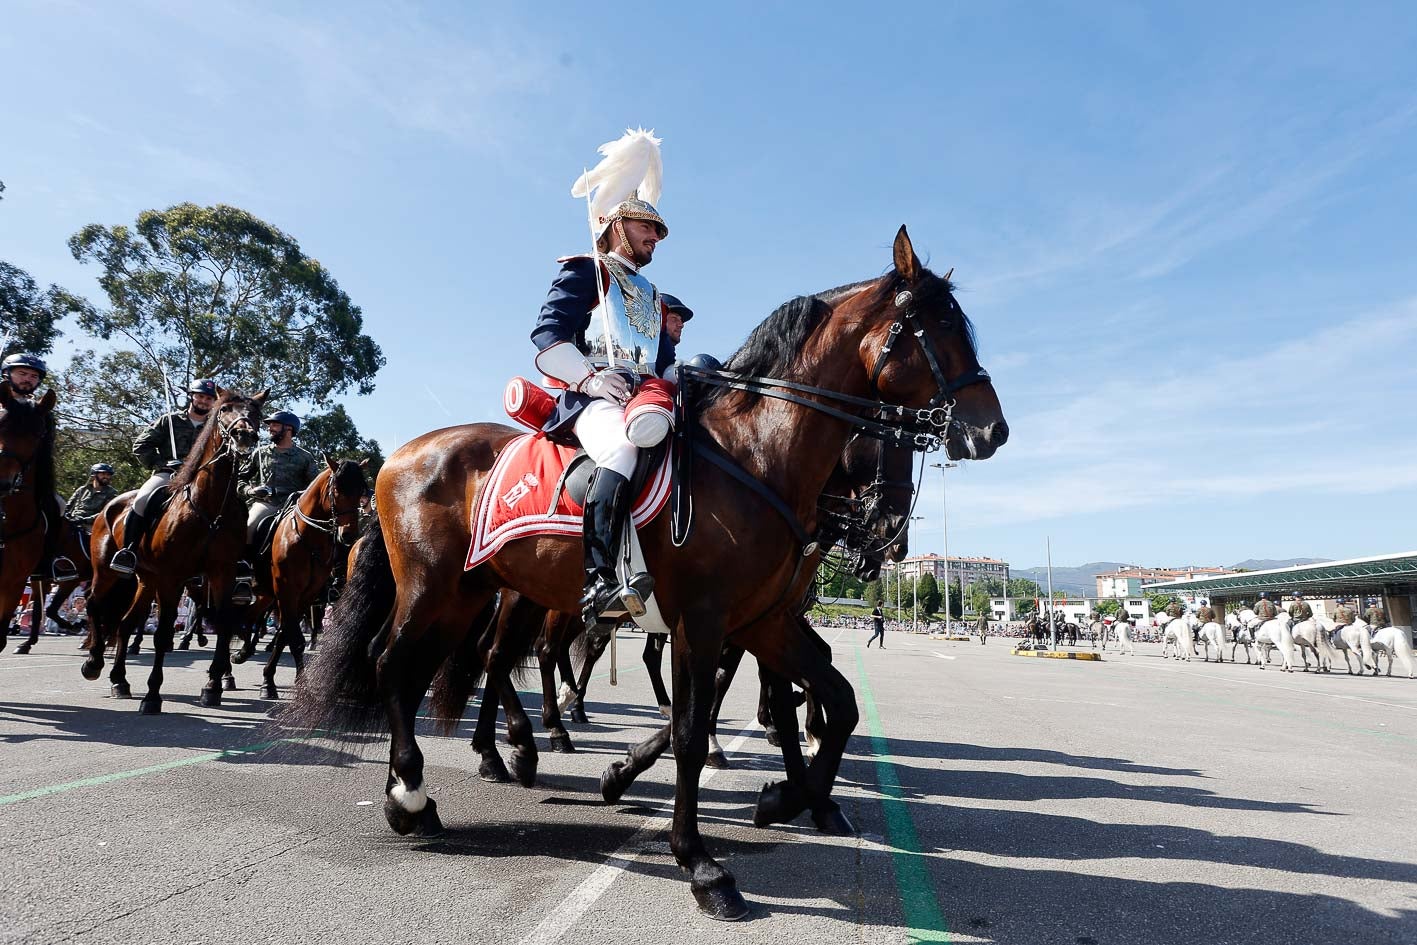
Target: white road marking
580	899
943	656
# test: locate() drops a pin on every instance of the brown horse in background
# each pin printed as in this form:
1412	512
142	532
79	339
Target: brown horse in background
26	476
74	546
780	433
306	546
201	531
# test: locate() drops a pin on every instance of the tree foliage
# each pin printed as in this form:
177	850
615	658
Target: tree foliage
29	316
929	590
874	592
334	434
216	292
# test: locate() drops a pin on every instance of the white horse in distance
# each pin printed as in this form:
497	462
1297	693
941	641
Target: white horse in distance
1178	632
1271	635
1315	634
1392	641
1357	638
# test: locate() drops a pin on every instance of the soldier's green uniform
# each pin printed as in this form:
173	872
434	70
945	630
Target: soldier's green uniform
1299	611
1265	610
153	447
283	471
86	502
1175	610
1376	616
1343	615
1207	615
982	626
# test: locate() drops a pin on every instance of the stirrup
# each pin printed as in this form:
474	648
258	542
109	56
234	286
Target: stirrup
124	562
241	593
635	591
62	569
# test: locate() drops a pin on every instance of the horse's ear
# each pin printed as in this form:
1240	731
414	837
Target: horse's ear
364	463
328	462
47	402
261	396
220	391
906	262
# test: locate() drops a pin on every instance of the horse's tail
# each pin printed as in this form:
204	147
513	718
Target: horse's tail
338	691
460	675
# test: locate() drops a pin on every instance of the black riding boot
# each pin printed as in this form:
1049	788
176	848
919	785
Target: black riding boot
606	602
125	561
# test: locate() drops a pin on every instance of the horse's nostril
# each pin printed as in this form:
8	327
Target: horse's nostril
998	433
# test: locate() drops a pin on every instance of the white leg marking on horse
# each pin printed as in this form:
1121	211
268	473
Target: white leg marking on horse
713	744
411	801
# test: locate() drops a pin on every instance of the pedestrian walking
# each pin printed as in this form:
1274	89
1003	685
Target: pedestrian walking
878	619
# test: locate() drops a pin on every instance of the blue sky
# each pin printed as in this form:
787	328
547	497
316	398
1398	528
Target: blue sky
1186	235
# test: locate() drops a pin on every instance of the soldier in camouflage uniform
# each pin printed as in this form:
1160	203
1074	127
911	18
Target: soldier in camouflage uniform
26	372
1207	614
1264	607
1299	610
154	449
276	470
1344	614
1175	610
89	499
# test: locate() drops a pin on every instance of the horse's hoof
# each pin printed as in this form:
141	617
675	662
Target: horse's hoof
91	669
665	711
134	650
524	765
22	649
228	682
268	690
717	759
186	644
774	739
425	823
561	743
121	690
577	715
3	641
201	641
270	647
611	790
150	706
241	656
493	770
210	696
722	901
778	803
832	822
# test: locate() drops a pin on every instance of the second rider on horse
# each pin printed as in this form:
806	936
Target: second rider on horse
26	372
162	448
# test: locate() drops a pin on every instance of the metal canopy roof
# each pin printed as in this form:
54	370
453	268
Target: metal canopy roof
1357	575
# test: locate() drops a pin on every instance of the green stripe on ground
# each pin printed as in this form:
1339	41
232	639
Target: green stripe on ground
923	918
139	772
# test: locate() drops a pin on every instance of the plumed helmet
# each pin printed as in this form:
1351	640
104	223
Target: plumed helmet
97	468
626	184
202	385
21	359
677	307
285	417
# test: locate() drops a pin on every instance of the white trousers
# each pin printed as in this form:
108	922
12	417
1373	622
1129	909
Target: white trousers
601	429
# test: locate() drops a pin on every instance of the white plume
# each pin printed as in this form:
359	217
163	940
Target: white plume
631	165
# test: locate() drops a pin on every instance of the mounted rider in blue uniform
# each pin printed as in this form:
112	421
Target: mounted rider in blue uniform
600	335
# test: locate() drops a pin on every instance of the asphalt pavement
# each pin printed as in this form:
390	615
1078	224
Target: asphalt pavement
998	798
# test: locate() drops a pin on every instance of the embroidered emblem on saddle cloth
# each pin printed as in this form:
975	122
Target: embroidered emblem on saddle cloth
523	497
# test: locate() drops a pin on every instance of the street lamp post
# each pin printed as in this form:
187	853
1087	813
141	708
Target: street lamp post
945	540
915	584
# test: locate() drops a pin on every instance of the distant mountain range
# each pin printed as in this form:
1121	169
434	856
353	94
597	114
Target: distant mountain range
1082	580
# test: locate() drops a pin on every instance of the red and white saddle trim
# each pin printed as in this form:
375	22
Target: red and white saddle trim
521	499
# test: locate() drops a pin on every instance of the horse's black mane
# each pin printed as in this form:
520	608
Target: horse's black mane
25	417
774	346
193	462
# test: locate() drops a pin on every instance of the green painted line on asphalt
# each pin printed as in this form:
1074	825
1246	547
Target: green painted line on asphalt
139	772
923	918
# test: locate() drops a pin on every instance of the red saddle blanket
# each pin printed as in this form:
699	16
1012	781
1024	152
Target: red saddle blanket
523	497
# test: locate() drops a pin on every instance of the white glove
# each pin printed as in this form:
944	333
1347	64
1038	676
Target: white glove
607	384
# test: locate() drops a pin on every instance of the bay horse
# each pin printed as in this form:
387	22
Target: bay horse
768	436
26	478
305	547
200	531
72	544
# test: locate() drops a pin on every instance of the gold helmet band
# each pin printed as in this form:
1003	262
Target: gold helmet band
633	208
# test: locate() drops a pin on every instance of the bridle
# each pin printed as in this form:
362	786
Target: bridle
227	449
852	520
922	428
329	526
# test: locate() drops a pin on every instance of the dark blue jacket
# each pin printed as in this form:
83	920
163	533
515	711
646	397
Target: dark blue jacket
565	316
